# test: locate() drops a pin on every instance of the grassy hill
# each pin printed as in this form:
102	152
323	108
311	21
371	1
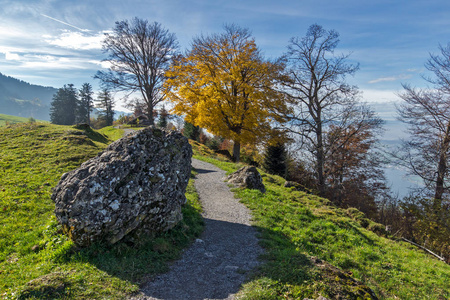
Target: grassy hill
8	119
312	248
36	260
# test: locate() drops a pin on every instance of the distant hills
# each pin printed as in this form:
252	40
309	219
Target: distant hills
20	98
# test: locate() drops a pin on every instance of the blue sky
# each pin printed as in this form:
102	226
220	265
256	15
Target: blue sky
50	42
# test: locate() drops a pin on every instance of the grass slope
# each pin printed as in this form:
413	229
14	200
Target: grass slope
7	119
313	248
36	260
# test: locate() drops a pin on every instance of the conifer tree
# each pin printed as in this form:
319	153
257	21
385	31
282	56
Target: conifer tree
163	116
105	102
64	106
86	104
191	132
275	159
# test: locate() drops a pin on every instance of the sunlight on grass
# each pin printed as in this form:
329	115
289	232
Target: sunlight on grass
296	228
36	260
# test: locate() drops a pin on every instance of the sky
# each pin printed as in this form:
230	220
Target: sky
52	43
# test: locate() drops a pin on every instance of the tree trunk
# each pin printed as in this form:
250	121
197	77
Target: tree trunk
150	114
320	160
442	166
236	151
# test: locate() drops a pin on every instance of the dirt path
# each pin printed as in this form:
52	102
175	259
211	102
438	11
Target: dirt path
219	261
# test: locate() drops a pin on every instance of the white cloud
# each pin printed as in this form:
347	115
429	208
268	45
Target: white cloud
11	56
103	64
76	40
392	78
380	96
53	62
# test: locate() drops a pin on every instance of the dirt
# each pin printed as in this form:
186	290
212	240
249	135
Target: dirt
216	265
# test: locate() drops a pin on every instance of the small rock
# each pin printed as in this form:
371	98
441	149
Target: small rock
247	177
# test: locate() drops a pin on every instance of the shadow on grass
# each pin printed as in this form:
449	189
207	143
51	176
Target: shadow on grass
92	134
52	286
134	261
217	265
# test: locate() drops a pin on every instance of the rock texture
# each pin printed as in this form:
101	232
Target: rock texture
135	186
247	177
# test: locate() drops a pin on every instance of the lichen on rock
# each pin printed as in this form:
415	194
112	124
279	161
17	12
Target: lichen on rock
136	185
247	177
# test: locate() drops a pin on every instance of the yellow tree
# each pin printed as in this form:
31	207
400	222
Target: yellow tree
224	85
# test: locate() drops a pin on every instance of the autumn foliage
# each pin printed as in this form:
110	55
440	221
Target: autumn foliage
223	84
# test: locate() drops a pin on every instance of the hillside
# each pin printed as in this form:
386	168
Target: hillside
311	247
23	99
8	119
36	260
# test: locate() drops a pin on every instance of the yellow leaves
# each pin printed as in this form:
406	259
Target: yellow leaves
225	86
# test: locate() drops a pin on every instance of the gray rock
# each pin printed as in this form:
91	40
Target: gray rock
247	177
135	186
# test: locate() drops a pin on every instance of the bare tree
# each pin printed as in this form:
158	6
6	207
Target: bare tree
139	54
427	114
319	94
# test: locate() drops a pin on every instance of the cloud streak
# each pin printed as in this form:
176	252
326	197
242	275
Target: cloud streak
67	24
392	78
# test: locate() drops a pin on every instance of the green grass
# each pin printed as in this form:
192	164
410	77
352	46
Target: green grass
111	132
8	119
36	260
296	228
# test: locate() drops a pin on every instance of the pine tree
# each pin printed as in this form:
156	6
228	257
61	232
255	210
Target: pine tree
105	102
275	159
86	104
163	116
191	132
64	106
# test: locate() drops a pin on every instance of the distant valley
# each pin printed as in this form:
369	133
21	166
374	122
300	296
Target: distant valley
23	99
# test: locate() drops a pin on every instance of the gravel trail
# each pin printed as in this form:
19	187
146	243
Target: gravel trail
218	262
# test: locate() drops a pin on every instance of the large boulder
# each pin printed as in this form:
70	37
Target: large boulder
247	177
135	186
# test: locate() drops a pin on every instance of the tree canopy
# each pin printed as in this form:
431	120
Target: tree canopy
86	103
319	96
139	53
223	84
105	102
63	110
427	114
